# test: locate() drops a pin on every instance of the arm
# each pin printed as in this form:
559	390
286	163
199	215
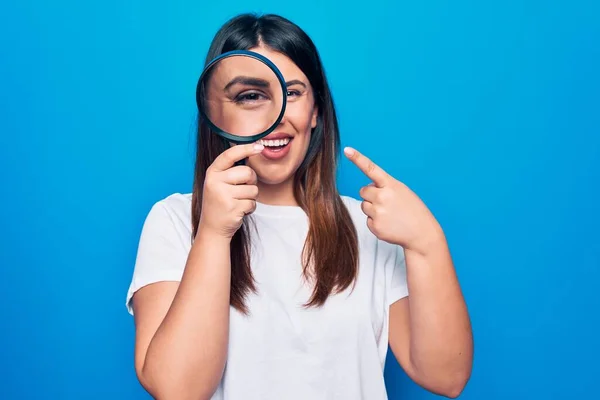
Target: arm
182	329
430	331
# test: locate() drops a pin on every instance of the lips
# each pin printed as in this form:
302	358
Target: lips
276	145
277	135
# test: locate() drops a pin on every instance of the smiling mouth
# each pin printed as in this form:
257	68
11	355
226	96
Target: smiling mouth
275	144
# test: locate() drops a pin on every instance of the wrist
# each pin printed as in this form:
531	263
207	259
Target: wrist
429	242
211	236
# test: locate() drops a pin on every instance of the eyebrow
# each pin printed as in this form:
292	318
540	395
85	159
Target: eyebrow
246	80
295	82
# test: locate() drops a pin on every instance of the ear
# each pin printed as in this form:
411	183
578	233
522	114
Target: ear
315	114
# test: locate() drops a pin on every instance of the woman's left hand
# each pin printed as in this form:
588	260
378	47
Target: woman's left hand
395	213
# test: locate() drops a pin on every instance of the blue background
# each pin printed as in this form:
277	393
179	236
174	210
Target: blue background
490	112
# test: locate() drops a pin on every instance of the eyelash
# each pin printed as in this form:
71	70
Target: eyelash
242	97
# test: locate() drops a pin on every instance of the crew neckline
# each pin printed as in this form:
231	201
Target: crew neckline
270	210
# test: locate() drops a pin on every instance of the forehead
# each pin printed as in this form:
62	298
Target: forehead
288	68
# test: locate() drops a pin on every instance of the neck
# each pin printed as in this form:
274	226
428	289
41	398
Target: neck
281	194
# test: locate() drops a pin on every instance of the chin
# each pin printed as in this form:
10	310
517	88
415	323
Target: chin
272	182
276	175
276	172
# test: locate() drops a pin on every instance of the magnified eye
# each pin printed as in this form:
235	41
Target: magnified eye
249	97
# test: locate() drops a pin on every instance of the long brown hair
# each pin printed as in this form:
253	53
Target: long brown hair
330	255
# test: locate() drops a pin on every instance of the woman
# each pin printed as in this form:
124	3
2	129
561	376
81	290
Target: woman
265	283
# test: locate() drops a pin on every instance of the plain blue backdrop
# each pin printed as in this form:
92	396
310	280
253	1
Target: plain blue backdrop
489	111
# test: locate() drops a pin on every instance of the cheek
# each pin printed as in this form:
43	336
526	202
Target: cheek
305	142
301	120
301	117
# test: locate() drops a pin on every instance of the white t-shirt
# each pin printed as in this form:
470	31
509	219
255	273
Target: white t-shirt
283	350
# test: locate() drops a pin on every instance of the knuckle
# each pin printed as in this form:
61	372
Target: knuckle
248	173
209	181
371	167
227	157
376	226
221	158
375	212
371	225
230	204
228	154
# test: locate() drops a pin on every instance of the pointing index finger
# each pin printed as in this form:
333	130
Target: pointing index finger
372	170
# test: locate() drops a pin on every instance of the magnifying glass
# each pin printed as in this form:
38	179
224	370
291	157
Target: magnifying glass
241	95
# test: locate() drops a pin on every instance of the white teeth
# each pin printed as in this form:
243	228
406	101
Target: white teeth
274	143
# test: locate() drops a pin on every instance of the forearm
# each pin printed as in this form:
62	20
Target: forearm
441	346
186	356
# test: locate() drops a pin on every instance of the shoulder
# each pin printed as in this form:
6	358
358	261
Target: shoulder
354	207
170	216
359	218
164	243
382	261
178	205
367	241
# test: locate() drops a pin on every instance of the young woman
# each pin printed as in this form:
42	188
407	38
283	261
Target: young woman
265	283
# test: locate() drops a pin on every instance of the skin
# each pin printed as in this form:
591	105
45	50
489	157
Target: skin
430	331
275	178
182	327
243	95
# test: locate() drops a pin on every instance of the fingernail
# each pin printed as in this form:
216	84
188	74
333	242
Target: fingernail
349	151
258	147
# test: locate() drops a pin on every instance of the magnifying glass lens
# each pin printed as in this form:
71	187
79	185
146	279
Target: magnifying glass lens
241	97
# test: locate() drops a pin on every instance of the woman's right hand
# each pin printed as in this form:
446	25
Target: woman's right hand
229	192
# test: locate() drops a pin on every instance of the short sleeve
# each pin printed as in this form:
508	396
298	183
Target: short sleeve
398	286
162	250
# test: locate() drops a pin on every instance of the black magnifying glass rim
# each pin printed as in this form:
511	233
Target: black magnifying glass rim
228	135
